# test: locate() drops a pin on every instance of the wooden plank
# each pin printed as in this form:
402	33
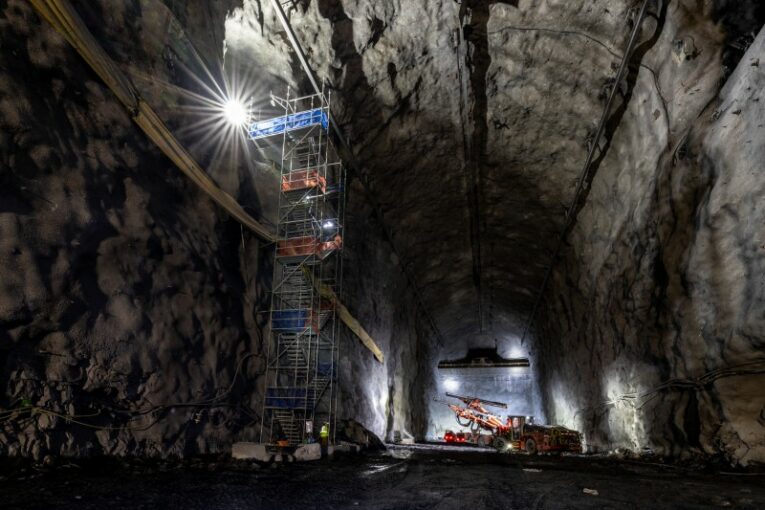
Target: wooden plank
349	320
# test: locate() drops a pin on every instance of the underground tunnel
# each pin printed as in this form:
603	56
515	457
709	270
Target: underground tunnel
382	254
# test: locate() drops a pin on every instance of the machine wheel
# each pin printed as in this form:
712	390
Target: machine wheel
481	441
531	446
501	444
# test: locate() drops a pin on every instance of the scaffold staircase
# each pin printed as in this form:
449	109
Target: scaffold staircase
301	369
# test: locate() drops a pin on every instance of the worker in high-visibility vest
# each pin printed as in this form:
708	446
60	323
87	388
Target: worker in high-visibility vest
324	438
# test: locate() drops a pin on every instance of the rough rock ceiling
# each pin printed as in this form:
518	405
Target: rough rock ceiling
472	120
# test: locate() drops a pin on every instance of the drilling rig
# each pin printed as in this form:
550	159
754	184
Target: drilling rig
515	433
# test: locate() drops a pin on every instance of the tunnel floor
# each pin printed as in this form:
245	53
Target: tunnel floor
430	478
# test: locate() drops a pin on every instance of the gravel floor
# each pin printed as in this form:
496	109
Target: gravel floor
432	478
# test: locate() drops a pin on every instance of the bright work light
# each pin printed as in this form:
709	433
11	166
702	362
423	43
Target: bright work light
235	112
451	385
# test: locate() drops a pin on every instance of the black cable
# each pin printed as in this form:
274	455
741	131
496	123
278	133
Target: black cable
587	164
754	367
13	414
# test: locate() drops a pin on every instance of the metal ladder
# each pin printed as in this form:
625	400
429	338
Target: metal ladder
290	425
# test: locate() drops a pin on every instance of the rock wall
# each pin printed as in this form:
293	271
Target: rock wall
659	290
389	397
123	288
131	307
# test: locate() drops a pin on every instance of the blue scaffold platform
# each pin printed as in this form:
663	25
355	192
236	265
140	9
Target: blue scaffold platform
287	123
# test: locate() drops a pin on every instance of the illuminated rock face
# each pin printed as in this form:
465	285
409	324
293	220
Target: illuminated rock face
470	123
661	280
512	111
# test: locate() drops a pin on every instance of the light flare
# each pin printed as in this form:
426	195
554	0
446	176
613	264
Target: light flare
216	106
236	113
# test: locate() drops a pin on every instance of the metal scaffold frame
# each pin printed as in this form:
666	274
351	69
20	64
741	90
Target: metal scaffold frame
302	354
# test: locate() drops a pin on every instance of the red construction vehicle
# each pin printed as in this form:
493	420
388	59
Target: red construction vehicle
515	433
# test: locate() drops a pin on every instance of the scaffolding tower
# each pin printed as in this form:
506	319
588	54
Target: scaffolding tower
302	356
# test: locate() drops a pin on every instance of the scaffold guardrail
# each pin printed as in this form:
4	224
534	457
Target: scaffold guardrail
287	123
